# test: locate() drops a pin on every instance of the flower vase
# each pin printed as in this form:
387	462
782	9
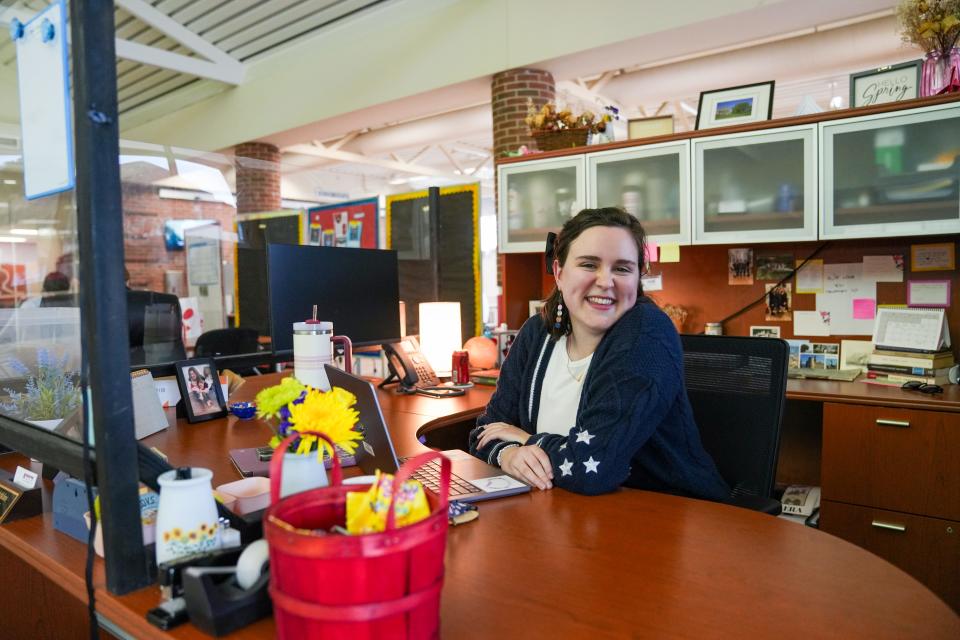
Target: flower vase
187	520
939	69
302	472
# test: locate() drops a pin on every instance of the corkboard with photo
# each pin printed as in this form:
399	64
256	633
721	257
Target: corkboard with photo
779	302
740	266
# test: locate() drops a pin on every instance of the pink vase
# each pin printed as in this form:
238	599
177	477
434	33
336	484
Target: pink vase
938	70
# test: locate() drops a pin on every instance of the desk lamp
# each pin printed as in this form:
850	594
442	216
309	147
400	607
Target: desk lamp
440	334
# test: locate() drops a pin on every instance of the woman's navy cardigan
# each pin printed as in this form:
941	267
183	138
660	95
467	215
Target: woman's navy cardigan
634	421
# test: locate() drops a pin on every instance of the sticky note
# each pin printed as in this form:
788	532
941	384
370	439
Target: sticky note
864	308
651	249
670	252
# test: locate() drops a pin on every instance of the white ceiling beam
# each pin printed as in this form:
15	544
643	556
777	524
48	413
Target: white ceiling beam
356	158
176	31
602	81
587	95
451	159
344	140
176	62
417	155
480	164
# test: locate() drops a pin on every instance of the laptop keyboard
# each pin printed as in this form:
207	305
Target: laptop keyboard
429	476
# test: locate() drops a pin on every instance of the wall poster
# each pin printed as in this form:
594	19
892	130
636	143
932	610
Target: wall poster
348	224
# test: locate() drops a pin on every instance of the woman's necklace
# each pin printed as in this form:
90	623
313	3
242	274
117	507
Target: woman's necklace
578	372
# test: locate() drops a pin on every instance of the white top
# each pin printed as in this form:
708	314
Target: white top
560	395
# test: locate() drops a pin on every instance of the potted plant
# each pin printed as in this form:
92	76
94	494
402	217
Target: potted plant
934	26
298	409
50	394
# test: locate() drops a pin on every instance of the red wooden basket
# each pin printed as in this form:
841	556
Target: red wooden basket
377	585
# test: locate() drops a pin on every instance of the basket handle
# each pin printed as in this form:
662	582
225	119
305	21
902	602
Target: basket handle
276	463
404	472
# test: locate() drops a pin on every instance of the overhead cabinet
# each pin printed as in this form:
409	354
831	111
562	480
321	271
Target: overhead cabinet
756	187
537	197
651	182
891	174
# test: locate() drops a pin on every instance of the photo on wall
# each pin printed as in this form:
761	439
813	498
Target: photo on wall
764	332
779	301
740	266
774	267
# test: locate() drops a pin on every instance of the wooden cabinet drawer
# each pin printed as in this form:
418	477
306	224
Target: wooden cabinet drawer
926	548
899	459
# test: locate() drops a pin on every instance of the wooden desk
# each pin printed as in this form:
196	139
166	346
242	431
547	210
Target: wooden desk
547	564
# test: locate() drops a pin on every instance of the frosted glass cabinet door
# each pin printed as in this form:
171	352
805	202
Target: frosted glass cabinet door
652	183
756	186
535	198
891	174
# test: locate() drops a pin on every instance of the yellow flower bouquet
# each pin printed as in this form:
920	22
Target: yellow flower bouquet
300	409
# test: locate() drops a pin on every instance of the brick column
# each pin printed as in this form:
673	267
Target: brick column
258	177
510	91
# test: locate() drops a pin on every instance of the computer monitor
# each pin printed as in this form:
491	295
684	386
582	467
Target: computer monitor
358	290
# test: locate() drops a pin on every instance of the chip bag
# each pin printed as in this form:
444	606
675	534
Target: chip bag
367	510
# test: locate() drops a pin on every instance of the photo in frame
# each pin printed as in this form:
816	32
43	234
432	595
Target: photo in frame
885	84
735	105
648	127
199	384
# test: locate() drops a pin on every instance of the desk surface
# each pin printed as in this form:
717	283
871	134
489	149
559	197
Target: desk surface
555	564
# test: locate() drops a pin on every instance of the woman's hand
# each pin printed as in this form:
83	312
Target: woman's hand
501	431
530	464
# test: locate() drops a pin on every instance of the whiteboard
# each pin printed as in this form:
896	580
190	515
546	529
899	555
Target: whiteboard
44	86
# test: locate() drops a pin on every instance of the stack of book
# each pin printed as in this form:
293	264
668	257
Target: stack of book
896	367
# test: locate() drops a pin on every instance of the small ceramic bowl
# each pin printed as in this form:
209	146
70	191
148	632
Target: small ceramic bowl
251	494
243	410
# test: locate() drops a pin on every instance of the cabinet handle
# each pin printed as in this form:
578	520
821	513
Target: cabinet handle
883	422
888	526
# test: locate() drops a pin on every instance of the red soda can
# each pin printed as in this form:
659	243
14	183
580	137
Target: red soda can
460	371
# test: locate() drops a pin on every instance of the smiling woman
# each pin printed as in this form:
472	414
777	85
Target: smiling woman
591	395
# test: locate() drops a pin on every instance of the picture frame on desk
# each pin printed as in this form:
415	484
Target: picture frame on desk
199	384
891	83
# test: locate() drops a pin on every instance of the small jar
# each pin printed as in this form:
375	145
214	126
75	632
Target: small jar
713	329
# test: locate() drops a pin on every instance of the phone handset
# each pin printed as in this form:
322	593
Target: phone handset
408	366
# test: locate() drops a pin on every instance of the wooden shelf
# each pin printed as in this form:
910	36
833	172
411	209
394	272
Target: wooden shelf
900	212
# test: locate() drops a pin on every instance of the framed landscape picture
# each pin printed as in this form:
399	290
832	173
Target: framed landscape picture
735	105
886	84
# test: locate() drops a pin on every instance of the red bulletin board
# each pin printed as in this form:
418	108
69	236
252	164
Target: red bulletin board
348	224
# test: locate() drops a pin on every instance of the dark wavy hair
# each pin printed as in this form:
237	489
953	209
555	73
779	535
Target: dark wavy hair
603	217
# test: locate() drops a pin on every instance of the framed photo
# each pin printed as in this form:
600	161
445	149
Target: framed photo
199	385
764	332
886	84
735	105
504	342
647	127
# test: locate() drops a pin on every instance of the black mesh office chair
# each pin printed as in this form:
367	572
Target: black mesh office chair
227	342
156	327
737	387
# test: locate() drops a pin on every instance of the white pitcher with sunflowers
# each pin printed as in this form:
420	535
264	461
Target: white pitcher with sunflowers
187	520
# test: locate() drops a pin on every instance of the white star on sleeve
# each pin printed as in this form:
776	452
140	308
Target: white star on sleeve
566	467
591	464
562	447
584	436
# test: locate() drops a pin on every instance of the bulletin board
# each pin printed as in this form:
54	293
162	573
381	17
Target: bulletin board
346	224
453	259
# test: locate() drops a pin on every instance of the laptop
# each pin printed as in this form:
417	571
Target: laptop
471	480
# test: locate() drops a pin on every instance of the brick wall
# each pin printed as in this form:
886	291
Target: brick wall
144	217
510	91
258	177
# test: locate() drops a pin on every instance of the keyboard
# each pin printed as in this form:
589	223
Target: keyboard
429	476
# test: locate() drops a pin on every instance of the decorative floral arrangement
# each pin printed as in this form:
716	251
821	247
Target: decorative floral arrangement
550	118
933	25
51	393
300	408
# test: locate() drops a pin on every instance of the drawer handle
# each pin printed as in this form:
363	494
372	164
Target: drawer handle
888	526
883	422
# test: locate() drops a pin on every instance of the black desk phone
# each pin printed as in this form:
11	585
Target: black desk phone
408	366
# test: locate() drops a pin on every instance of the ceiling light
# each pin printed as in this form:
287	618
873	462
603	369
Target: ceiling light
8	181
25	232
13	239
398	181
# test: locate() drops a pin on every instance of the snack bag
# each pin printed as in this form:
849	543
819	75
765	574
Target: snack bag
367	510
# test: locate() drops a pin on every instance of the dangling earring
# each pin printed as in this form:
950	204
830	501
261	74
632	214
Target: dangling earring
556	324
